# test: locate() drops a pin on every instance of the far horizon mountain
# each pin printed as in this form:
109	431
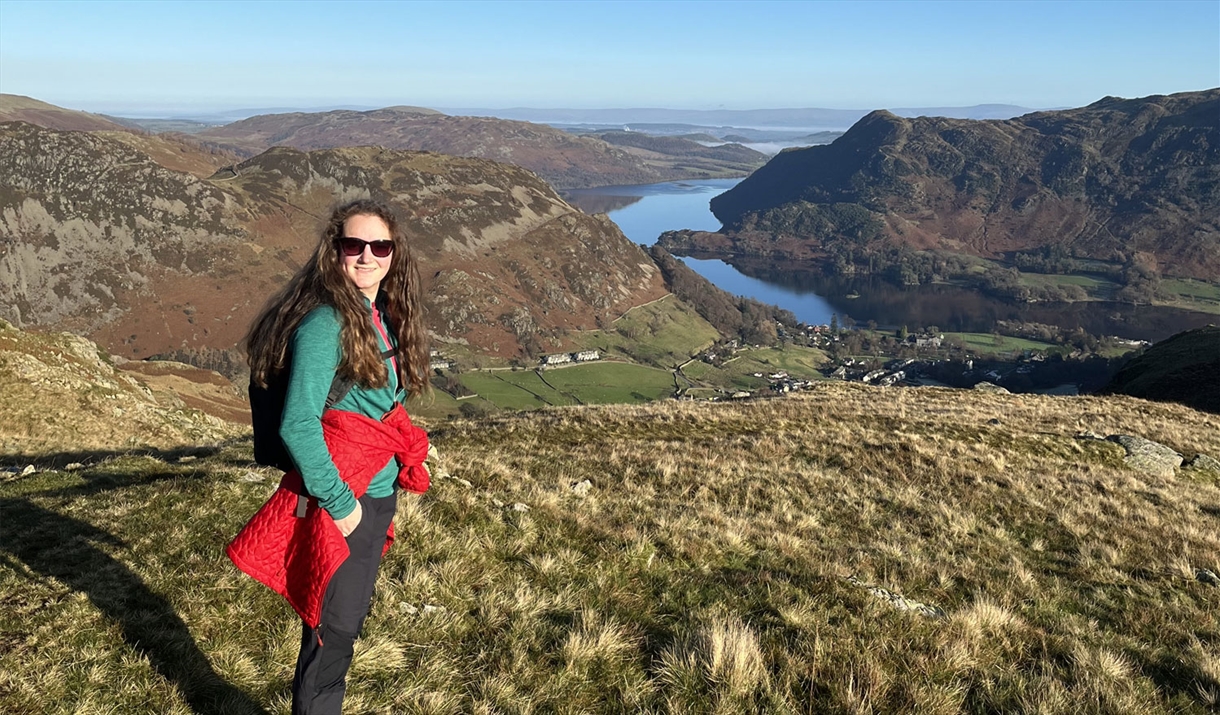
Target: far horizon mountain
812	118
805	118
564	160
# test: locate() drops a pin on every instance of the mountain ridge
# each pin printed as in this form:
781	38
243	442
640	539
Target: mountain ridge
148	260
1110	181
20	108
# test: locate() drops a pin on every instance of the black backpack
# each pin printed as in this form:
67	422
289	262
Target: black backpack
267	413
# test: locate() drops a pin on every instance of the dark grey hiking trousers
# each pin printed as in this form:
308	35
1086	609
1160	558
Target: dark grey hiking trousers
326	653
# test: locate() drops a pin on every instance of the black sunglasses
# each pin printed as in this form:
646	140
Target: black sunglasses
355	246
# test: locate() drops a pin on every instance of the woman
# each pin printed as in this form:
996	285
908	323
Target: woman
351	317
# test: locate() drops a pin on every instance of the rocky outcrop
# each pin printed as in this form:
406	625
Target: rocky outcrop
1204	463
1150	457
1110	181
89	226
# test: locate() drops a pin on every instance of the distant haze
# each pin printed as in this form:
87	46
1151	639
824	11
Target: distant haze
811	119
194	58
807	119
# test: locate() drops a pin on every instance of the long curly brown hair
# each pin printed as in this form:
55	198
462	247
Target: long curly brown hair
321	281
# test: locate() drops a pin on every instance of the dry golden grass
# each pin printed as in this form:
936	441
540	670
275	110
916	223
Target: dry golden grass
59	393
706	572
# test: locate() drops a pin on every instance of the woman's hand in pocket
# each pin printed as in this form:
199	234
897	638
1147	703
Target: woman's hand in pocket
349	523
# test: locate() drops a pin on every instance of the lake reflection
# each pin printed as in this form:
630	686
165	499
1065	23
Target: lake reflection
955	309
645	212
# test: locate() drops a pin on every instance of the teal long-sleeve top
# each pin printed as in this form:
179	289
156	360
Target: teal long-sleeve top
316	352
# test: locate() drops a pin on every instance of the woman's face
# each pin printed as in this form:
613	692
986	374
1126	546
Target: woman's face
365	270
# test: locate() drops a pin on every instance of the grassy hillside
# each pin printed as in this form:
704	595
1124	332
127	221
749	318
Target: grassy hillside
726	558
664	332
60	392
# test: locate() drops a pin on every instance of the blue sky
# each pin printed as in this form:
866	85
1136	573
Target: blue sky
166	57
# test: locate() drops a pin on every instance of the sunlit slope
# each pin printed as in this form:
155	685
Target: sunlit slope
703	567
1122	180
59	394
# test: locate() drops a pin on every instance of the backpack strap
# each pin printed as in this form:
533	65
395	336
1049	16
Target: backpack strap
340	386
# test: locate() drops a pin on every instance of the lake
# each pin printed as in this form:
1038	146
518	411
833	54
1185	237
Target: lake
645	212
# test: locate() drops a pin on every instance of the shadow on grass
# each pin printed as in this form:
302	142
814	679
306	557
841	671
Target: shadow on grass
230	453
93	457
61	547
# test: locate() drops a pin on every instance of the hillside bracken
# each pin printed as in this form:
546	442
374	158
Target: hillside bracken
846	550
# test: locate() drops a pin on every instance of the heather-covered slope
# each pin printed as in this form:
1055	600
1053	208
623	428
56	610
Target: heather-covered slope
18	108
148	260
1112	180
562	159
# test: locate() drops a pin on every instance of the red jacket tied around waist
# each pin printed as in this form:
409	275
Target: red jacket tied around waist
295	553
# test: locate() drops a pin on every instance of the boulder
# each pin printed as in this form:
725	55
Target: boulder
991	387
1204	463
1148	456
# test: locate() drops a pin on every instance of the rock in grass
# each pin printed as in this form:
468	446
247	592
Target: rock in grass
898	601
1148	456
1205	463
583	488
991	387
435	467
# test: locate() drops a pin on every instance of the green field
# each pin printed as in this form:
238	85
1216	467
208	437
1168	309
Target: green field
438	405
993	344
503	393
610	382
1096	286
665	332
738	371
1192	295
532	382
593	383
